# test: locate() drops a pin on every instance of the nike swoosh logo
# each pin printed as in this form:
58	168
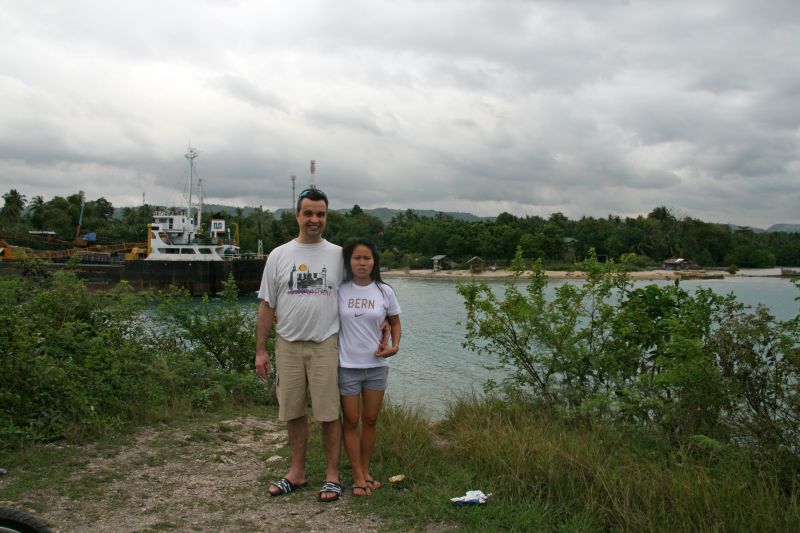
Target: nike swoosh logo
359	314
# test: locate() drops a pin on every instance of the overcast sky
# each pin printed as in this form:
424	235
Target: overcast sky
588	107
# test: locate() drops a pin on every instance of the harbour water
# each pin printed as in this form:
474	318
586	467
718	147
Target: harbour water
432	366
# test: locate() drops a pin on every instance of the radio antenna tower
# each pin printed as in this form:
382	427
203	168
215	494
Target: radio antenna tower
293	178
313	185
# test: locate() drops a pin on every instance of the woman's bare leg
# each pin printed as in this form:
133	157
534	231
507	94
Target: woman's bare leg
371	408
351	443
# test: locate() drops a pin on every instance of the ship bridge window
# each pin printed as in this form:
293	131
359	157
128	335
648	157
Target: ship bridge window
204	250
187	251
169	251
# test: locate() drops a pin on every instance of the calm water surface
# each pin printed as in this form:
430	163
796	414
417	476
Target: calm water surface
432	367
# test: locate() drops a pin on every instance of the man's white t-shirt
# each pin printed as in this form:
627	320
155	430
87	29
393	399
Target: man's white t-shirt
301	282
362	310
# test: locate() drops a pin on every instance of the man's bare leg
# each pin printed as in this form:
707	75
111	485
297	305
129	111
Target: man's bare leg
332	439
298	442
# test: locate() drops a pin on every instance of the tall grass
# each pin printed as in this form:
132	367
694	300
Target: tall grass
548	474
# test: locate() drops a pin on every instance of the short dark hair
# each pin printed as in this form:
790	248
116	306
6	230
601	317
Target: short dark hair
312	194
347	252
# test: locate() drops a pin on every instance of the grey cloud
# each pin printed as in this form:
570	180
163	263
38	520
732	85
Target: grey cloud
358	119
584	107
249	92
464	123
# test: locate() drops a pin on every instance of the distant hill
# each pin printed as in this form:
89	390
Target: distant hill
208	208
775	228
386	214
227	209
736	227
383	213
786	228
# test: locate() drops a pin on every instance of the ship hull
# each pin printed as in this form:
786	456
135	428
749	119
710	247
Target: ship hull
198	277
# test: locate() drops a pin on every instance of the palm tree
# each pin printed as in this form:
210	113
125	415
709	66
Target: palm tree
36	202
14	204
36	211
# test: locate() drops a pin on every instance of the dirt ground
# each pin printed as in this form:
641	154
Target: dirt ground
211	478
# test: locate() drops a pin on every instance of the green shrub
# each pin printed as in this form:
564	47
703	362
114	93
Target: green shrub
77	364
73	362
659	358
221	332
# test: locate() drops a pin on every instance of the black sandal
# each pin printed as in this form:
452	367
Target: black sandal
332	487
285	487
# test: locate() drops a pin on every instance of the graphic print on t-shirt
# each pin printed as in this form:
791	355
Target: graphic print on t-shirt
303	281
359	304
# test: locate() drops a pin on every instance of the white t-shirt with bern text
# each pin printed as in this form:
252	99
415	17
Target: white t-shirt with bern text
362	310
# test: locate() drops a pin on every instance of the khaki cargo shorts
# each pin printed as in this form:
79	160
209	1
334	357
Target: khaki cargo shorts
307	368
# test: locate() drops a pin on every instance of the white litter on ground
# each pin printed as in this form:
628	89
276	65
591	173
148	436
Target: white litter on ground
472	497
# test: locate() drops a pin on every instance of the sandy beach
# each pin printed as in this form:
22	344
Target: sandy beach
648	275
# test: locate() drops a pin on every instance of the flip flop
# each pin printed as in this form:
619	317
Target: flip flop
330	486
372	484
285	487
364	489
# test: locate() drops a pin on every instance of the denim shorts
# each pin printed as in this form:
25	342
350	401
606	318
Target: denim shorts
353	380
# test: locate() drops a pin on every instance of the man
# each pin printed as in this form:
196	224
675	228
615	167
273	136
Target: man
298	295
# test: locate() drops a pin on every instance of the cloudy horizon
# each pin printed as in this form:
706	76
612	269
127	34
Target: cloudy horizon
530	107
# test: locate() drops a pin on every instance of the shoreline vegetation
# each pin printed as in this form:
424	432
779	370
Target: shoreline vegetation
627	408
410	239
500	273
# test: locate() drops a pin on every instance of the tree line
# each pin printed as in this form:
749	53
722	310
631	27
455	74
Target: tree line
410	239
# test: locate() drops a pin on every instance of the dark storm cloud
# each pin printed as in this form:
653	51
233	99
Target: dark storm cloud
587	108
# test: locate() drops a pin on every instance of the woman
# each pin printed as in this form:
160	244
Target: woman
365	301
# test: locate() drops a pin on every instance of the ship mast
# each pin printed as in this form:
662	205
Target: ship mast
201	193
312	185
190	154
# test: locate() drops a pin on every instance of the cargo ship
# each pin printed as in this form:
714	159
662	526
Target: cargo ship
179	254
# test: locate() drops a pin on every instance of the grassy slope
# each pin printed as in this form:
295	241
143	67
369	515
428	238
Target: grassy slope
544	475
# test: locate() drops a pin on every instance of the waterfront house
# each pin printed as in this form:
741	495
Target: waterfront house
679	264
442	262
476	265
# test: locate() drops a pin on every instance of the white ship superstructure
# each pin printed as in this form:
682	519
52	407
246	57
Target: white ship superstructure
173	236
